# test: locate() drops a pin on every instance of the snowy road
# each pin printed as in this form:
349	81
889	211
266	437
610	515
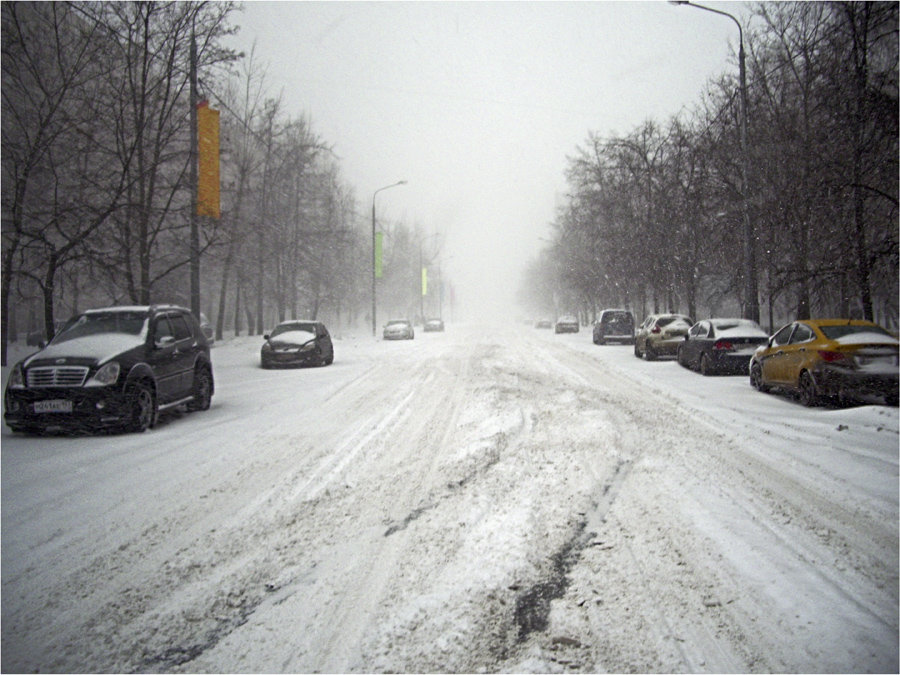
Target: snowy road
475	500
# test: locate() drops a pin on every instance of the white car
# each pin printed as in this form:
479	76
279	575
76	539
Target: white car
399	329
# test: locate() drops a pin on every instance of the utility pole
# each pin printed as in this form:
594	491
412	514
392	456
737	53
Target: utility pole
195	227
751	286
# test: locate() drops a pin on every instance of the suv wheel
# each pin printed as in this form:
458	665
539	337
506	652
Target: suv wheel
202	390
649	352
141	406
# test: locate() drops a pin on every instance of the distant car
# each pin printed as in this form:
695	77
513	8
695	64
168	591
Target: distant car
829	358
567	324
543	323
297	343
434	325
207	328
115	367
399	329
661	334
614	325
721	345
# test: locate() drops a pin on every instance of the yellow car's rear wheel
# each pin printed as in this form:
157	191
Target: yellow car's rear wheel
809	394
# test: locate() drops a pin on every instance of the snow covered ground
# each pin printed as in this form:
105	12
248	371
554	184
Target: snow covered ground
484	499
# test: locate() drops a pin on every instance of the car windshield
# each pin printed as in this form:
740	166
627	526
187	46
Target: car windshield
619	319
281	329
398	323
103	323
838	332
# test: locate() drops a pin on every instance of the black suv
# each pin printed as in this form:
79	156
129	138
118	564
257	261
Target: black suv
113	367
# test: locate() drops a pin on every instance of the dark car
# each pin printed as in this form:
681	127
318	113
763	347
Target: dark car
566	324
434	325
721	345
399	329
822	359
297	343
614	325
116	367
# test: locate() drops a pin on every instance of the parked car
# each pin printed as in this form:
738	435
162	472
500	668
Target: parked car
661	334
721	345
829	358
434	325
113	367
399	329
566	324
614	325
543	323
297	343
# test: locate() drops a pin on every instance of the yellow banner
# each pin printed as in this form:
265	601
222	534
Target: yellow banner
208	154
379	238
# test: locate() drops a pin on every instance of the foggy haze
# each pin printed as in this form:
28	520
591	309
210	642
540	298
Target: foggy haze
477	106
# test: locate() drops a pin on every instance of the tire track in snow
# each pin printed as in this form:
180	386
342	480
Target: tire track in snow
428	420
747	488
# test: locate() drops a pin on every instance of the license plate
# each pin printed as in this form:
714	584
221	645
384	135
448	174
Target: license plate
53	406
879	360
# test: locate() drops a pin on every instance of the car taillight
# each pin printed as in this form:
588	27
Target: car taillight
656	329
831	357
723	344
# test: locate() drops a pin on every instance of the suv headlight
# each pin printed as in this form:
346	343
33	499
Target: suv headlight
16	378
106	376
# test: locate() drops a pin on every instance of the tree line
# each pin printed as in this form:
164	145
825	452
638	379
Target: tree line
652	218
96	158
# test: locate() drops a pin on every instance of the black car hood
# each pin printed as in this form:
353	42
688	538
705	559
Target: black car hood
85	351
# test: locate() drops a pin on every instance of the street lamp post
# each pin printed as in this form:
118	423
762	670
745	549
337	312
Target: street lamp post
402	182
751	288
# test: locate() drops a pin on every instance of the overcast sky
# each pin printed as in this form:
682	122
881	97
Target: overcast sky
478	104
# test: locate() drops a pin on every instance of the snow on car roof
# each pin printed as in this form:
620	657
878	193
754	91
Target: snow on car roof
118	308
735	327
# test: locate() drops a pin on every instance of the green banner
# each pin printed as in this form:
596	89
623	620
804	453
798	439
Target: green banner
378	239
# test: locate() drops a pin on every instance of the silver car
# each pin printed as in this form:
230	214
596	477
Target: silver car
661	334
399	329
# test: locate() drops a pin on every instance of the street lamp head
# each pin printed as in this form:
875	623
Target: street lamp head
679	2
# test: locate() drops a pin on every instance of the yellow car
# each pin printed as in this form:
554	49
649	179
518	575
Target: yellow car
829	358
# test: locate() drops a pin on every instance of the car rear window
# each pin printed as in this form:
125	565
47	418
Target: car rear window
618	319
666	320
837	332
